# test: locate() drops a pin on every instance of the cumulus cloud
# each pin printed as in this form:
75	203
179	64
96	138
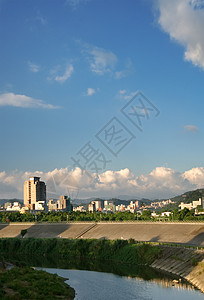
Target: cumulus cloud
33	67
191	128
101	61
10	99
161	182
195	176
183	20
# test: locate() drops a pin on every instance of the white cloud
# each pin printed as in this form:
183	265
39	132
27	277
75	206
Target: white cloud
121	74
195	176
122	92
184	21
161	182
191	128
124	95
90	91
126	71
10	99
67	74
101	61
75	3
33	67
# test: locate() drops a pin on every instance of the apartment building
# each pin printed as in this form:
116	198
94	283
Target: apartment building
34	191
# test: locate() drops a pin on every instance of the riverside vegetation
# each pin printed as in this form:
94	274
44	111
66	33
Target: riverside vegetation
27	283
183	215
122	251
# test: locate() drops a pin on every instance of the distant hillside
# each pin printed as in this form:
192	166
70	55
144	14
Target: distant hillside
187	197
3	201
115	201
127	197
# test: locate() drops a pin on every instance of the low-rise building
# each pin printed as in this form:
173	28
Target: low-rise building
41	205
79	208
200	202
110	207
186	205
166	214
193	204
16	206
154	214
52	205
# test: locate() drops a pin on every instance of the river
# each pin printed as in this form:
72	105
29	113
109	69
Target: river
92	285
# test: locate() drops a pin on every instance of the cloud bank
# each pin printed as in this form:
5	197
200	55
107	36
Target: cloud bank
160	183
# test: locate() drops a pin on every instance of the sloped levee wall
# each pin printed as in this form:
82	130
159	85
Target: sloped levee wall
185	263
180	233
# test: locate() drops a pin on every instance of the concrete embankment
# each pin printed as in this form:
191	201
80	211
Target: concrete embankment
180	233
183	262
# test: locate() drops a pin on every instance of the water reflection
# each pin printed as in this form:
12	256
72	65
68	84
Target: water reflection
139	272
98	286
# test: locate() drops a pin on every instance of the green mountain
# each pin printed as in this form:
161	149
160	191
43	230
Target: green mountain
187	197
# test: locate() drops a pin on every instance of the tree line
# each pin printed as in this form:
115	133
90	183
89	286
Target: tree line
177	215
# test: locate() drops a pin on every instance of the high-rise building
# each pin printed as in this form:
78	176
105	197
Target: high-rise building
34	191
98	204
92	207
64	203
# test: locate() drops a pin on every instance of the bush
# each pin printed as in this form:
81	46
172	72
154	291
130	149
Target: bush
23	232
194	261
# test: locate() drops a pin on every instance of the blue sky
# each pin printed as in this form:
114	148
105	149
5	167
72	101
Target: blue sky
68	67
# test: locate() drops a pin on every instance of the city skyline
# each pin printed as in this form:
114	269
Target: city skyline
69	69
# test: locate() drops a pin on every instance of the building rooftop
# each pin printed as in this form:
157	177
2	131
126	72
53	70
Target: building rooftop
35	178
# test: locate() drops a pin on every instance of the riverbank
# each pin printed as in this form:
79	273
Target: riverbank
180	261
108	250
183	262
27	283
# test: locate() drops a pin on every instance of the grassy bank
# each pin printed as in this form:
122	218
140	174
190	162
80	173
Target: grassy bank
27	283
107	250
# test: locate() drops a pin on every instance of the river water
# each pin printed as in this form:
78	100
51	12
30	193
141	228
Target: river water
91	285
